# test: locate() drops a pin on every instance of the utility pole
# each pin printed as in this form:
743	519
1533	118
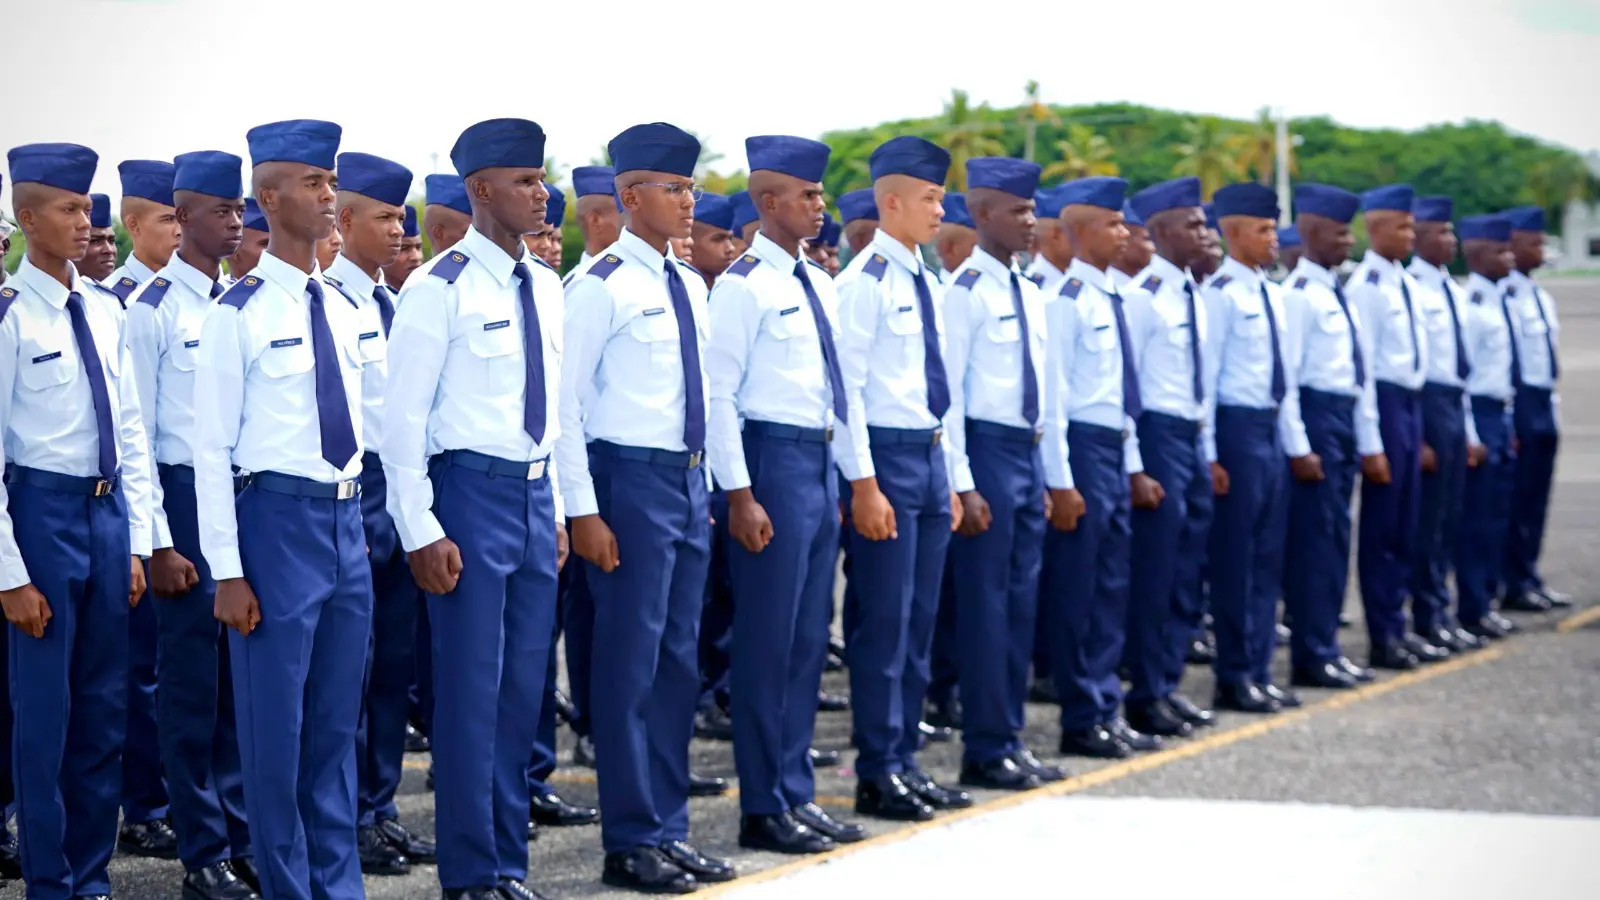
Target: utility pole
1281	139
435	155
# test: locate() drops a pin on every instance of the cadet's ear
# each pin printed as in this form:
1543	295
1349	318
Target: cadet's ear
182	215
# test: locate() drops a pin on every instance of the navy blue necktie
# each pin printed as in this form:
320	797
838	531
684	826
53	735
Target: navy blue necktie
533	399
1411	325
1511	333
1279	386
694	396
932	359
1194	340
386	309
333	408
1455	324
830	353
1132	403
216	290
1355	344
97	384
1549	342
1030	378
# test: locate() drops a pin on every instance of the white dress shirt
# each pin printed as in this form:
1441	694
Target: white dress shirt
622	378
463	379
1489	330
983	352
1118	279
164	340
881	352
1157	308
47	410
354	285
1083	380
255	396
1395	339
1237	353
1043	273
1319	351
764	357
1538	329
1443	304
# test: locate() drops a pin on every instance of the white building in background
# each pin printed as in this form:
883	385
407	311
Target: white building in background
1579	244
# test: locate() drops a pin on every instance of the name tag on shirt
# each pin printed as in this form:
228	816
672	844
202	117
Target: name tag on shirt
190	345
487	326
47	357
368	336
790	310
655	311
1008	317
1101	327
286	342
1253	316
904	309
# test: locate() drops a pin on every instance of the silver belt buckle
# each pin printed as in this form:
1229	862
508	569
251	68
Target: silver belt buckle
1038	435
347	489
827	436
694	459
938	435
536	469
104	487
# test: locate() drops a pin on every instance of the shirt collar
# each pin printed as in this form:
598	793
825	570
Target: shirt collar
1089	274
1043	266
1313	272
1166	270
289	279
984	261
489	255
636	247
1421	268
188	276
1386	268
1238	271
137	270
1478	282
350	275
52	291
767	249
897	251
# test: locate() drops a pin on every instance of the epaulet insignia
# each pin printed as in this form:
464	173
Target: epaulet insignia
8	296
124	288
339	286
1300	283
1151	284
968	278
604	266
155	293
1037	278
1373	277
1070	288
877	266
449	268
121	301
744	264
1221	281
241	292
1477	296
1511	290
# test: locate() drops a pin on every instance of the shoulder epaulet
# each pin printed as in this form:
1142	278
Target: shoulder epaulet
602	267
1037	278
690	267
156	292
241	292
744	264
545	264
968	278
8	296
877	266
124	288
1373	277
566	280
1301	282
339	286
1511	290
1221	281
1477	296
1151	284
815	265
449	268
121	301
1070	288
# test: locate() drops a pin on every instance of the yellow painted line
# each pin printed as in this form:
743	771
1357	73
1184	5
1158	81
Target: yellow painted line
1118	771
1578	620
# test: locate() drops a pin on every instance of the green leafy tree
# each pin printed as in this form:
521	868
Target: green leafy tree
1081	155
967	133
1255	149
1032	114
1205	154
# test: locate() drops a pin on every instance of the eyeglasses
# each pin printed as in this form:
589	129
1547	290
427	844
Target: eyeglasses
677	188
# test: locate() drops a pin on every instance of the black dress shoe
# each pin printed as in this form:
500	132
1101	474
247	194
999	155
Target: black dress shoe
1159	719
430	776
414	849
1345	621
583	752
245	871
1094	742
1202	652
1245	696
533	831
565	711
1464	641
215	882
819	821
933	794
550	809
824	759
1527	601
707	785
1003	774
1327	676
827	702
834	663
1485	629
378	856
154	839
935	733
713	724
710	869
1423	649
10	862
945	715
1361	674
888	797
1506	625
1394	656
836	647
1556	599
1284	633
1287	699
1442	637
648	871
473	893
782	833
416	741
1190	710
1043	690
516	890
1047	773
1137	741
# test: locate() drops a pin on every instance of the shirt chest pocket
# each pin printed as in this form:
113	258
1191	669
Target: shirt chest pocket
1533	326
1250	324
903	321
1099	341
45	366
493	347
372	346
1332	322
657	332
287	357
184	352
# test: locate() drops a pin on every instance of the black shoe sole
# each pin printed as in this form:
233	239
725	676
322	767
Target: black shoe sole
147	853
385	871
786	850
1031	783
864	809
629	884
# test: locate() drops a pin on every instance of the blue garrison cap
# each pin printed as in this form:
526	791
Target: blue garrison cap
375	177
447	190
715	210
555	208
1131	215
99	211
69	167
1522	218
410	228
588	180
1210	209
656	147
308	141
1326	201
1288	237
862	204
742	211
1390	197
1246	199
1485	228
830	233
149	179
209	172
955	210
797	157
254	218
908	155
1017	177
1433	209
508	143
1179	193
1103	191
1047	203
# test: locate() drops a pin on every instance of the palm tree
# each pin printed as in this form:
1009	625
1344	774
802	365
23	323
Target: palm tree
1557	180
1256	149
967	133
1205	153
1031	115
1083	154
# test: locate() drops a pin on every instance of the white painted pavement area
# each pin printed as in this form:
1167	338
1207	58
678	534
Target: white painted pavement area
1089	847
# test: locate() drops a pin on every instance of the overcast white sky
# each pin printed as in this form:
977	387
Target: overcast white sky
154	78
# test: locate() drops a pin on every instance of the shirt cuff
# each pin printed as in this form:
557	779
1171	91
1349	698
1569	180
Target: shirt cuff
962	482
14	576
1369	442
426	530
856	468
1297	445
226	566
582	503
140	542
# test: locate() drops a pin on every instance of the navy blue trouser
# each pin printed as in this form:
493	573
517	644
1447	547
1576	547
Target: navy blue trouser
297	688
577	623
897	599
199	738
144	790
646	677
944	671
1086	581
996	577
1169	543
391	655
848	608
1539	437
716	619
542	761
69	688
1389	516
1247	543
420	696
1444	428
782	607
1318	568
1485	515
